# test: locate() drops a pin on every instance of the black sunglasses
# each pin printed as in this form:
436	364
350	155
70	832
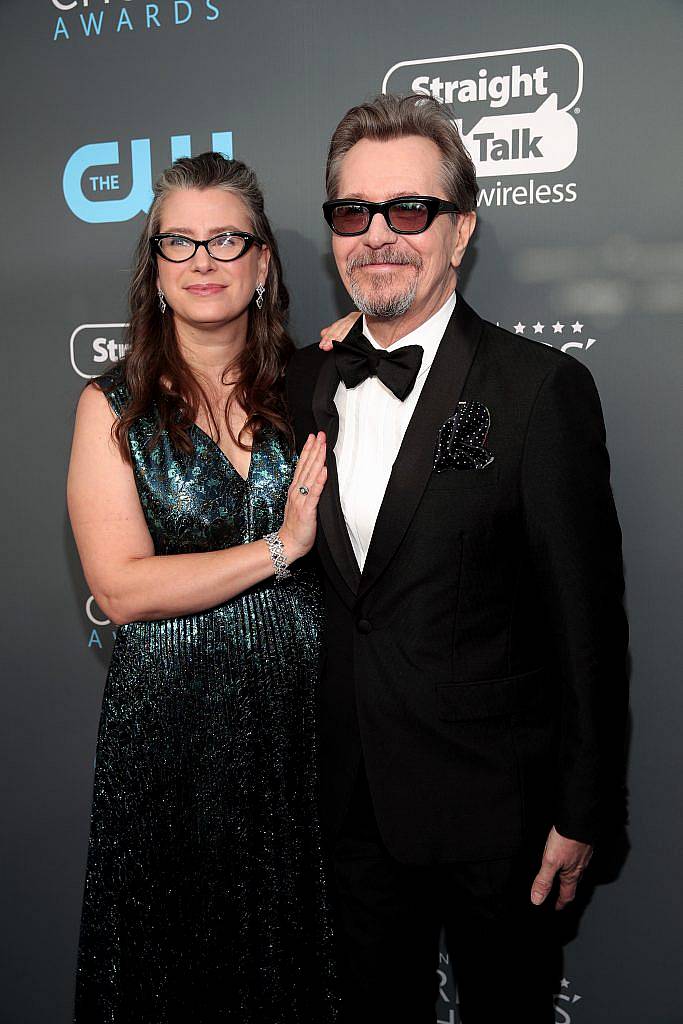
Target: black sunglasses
406	215
229	245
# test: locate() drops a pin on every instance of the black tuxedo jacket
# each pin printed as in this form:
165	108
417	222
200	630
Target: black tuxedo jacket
477	664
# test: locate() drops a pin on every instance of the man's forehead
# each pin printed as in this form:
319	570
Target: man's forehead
388	194
377	170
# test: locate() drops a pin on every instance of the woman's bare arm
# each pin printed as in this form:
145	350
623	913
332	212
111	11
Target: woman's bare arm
129	582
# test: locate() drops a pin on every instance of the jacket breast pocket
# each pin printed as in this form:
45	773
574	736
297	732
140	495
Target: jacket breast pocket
455	481
491	698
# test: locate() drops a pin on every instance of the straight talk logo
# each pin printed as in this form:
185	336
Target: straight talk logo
94	348
515	110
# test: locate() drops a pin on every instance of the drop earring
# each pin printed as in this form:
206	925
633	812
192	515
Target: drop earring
260	292
162	302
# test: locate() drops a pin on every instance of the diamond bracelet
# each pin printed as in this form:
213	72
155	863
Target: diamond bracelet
277	556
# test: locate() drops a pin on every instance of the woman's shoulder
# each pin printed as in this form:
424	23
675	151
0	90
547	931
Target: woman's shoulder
113	386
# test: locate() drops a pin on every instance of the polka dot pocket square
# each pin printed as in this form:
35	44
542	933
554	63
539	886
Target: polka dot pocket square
462	439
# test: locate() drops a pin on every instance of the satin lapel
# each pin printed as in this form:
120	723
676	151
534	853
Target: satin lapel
329	509
413	465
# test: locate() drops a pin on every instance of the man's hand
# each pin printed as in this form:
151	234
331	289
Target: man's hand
337	331
566	858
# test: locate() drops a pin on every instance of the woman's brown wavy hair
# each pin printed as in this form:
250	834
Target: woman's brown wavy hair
154	356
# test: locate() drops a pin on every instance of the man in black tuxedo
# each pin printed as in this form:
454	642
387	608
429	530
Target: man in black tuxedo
474	693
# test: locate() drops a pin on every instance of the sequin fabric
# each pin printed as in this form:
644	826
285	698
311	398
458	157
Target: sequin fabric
462	439
205	897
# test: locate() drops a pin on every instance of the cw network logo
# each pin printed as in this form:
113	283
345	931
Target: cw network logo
512	108
87	194
118	18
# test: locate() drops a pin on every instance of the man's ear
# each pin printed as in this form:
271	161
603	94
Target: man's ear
464	231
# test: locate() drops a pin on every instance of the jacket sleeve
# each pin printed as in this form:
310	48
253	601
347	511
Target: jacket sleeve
575	544
300	377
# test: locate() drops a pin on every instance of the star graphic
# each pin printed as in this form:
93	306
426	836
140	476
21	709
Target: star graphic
519	328
538	327
564	983
558	327
577	327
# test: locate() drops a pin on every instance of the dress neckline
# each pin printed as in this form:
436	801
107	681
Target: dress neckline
217	447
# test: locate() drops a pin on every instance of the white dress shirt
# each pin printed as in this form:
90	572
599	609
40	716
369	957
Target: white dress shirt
372	422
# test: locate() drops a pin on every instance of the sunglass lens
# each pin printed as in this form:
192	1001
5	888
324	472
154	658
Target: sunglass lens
408	216
349	220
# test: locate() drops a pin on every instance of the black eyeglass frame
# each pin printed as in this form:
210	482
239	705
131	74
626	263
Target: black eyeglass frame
434	206
249	240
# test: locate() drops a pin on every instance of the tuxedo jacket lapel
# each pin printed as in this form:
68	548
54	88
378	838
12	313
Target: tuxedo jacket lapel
413	465
329	508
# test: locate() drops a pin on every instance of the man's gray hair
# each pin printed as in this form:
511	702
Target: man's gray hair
393	117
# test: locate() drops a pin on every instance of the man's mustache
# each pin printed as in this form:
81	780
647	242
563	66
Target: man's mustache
383	256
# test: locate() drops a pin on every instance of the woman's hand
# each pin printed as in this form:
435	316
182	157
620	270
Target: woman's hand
337	331
297	532
127	579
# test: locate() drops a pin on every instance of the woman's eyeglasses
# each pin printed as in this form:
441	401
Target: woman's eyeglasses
225	247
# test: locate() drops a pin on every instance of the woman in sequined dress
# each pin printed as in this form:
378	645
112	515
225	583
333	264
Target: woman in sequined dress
205	894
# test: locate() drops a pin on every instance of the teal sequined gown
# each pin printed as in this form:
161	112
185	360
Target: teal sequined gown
205	895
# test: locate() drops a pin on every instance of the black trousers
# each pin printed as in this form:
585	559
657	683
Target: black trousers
389	919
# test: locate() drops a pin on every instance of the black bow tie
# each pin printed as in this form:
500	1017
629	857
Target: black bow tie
357	360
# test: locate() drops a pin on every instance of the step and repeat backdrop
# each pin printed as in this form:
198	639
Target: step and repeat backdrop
570	113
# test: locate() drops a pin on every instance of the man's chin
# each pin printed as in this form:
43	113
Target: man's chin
383	307
381	300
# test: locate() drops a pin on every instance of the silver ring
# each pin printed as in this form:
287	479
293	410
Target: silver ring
303	489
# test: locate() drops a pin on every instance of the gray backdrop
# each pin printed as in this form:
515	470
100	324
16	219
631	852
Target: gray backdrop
579	244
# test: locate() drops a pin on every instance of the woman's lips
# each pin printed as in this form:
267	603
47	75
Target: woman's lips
205	289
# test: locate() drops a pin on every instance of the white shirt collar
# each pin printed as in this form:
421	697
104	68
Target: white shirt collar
428	335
